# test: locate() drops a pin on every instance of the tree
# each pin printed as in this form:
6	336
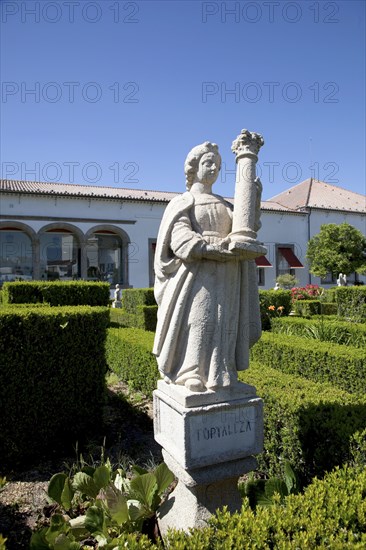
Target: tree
337	249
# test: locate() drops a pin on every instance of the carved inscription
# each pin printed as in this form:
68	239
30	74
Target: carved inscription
225	432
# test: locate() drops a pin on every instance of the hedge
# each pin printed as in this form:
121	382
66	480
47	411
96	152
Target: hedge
133	297
277	299
351	302
308	423
322	329
128	353
331	514
342	366
308	308
145	318
57	293
52	379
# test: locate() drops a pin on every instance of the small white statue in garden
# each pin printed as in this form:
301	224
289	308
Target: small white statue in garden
206	277
117	297
342	279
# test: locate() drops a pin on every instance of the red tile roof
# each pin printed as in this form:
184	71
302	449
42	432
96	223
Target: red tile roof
313	193
309	193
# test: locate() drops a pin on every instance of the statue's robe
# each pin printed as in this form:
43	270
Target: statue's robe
208	314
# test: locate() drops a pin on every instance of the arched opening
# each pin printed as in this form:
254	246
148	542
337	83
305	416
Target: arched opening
104	253
16	254
60	254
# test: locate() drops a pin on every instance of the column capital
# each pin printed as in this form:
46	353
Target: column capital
247	144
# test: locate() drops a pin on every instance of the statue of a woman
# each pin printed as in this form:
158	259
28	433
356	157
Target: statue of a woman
208	314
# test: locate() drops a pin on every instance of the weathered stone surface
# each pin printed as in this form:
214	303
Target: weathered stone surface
208	434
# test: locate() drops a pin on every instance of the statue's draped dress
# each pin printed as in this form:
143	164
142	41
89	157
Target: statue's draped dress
203	329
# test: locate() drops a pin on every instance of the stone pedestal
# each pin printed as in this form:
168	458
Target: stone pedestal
209	440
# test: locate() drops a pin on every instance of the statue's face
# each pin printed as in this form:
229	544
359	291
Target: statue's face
208	168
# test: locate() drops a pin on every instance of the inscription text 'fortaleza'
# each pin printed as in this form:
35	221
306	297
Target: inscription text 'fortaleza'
218	432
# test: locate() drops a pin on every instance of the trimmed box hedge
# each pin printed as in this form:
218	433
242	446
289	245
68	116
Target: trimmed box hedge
144	318
57	293
322	329
308	423
308	308
129	355
351	302
342	366
52	379
329	515
133	297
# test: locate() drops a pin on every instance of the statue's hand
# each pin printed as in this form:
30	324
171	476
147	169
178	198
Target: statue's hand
218	253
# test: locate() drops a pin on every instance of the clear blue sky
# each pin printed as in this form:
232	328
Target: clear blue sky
123	90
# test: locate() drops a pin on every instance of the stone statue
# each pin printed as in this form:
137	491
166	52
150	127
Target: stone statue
206	280
117	297
342	279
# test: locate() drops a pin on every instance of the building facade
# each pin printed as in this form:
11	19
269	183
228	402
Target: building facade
52	231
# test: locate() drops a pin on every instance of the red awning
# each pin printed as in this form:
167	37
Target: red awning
262	261
292	260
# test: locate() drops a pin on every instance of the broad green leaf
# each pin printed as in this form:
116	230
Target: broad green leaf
102	476
88	470
38	540
85	484
164	477
143	488
276	485
291	479
139	470
56	486
136	510
58	525
117	504
64	542
95	520
67	494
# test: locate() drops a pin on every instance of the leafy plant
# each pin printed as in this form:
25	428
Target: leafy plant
287	281
261	492
100	505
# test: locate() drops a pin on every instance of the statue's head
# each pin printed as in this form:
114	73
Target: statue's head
194	157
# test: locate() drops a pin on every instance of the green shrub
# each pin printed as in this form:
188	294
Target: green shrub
144	318
351	302
277	299
331	514
342	366
133	297
306	308
322	329
52	378
65	293
129	355
307	423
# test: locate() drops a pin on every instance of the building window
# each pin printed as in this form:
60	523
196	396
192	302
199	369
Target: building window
287	261
329	279
152	248
59	255
260	276
15	255
104	257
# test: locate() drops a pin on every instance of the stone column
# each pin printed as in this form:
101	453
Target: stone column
247	195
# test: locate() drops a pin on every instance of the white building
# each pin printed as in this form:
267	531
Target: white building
66	231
